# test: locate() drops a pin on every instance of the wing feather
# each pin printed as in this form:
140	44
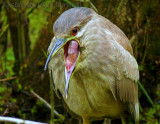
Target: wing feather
127	77
126	72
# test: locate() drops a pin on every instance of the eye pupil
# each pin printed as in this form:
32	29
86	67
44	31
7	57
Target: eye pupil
74	30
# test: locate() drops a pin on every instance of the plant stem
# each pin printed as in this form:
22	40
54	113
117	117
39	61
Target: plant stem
146	94
20	42
48	105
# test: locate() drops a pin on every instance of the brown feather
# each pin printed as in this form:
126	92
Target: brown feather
127	90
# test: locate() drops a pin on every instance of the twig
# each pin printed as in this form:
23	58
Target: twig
146	94
48	105
17	120
41	99
6	79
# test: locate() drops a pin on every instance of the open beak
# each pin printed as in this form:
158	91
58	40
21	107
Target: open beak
60	42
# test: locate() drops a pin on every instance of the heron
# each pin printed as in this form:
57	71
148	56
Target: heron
92	66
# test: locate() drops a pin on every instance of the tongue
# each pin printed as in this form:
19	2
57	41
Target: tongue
73	52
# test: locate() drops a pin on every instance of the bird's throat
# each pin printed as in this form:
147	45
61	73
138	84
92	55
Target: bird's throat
71	52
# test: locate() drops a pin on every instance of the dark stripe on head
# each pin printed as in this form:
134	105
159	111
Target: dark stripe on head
71	18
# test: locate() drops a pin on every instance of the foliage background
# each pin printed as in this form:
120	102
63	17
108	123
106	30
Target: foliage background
25	34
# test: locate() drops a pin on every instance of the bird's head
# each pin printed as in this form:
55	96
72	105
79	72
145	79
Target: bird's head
69	30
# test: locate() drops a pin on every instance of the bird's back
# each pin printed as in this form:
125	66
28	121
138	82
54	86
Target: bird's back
119	36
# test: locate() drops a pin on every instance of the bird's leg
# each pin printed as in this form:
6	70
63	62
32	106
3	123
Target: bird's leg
86	120
123	120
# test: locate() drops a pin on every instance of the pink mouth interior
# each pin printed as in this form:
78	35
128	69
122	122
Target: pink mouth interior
71	52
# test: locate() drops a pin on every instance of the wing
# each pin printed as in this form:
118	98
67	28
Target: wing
126	71
127	75
124	86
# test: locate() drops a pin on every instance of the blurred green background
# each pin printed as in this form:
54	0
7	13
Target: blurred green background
25	34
